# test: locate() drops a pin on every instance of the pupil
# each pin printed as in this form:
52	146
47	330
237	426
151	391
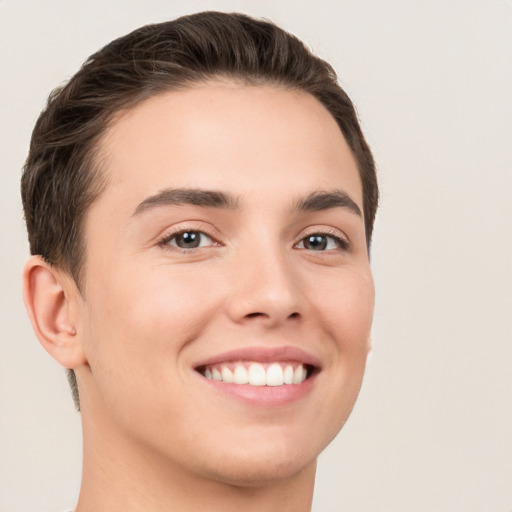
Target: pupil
188	239
316	242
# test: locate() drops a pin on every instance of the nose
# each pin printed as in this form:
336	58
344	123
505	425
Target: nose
265	290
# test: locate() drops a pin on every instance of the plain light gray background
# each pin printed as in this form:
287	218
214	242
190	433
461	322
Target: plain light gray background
432	80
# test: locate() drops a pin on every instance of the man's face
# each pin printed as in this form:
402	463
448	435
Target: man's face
228	240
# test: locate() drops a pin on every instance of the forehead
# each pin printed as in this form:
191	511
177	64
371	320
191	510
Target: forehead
225	135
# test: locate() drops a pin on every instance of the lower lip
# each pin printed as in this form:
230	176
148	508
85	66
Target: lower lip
264	396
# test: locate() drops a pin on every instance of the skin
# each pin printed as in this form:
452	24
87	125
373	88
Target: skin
156	436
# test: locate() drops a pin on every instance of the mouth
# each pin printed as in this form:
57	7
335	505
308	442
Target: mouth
255	373
265	375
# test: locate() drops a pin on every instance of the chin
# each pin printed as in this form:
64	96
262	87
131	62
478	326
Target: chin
259	473
256	463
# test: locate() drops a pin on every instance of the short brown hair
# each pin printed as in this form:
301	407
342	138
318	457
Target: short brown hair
61	177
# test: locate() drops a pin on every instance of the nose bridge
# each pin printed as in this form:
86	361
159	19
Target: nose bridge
265	285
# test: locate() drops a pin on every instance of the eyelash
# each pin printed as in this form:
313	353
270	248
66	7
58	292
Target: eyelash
164	241
343	243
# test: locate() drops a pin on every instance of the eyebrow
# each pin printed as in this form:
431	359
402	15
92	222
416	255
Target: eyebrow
192	196
320	200
315	201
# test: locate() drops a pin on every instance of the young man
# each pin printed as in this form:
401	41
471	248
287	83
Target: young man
200	200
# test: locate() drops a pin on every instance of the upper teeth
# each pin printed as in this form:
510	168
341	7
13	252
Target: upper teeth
257	374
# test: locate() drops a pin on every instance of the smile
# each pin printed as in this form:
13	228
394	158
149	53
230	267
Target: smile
258	374
261	376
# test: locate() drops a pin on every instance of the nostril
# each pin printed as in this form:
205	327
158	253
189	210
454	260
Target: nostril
294	315
253	315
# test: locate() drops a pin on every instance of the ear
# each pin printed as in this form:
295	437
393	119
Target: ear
369	348
53	304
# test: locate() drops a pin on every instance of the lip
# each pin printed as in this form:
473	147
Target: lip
262	396
263	355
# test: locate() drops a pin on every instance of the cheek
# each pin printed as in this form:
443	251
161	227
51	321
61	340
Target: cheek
149	312
137	329
345	305
345	310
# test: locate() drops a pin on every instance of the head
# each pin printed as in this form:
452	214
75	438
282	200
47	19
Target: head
206	67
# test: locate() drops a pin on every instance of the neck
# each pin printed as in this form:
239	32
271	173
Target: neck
120	474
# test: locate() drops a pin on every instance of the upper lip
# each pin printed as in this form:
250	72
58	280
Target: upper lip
263	355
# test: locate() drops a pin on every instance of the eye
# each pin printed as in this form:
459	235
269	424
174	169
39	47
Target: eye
188	240
321	242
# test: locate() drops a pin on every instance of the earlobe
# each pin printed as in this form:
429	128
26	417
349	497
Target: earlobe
50	297
369	349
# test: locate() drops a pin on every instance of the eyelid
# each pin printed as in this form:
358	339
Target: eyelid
163	240
210	232
202	234
338	235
